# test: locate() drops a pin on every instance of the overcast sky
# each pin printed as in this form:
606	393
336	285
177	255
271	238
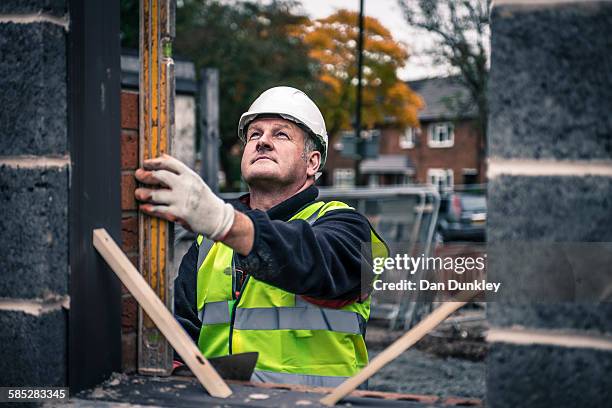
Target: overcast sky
389	14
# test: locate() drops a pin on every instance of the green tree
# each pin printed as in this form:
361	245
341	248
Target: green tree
248	42
333	43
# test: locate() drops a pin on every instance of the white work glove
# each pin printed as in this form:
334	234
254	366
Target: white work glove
186	199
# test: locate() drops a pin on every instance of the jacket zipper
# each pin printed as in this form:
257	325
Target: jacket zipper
236	301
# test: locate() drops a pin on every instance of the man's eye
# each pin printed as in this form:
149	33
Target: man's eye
282	135
254	136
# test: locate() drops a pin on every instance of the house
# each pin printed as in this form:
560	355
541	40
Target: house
446	150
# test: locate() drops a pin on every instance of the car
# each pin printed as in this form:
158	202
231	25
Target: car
462	217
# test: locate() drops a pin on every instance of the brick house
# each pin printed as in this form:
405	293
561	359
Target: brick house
446	150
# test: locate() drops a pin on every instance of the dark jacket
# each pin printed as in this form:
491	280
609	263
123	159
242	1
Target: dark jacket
320	261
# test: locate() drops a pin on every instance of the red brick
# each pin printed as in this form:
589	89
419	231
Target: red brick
129	150
128	185
129	314
129	110
129	352
129	233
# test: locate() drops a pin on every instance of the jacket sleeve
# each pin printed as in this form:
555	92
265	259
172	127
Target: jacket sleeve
185	297
322	260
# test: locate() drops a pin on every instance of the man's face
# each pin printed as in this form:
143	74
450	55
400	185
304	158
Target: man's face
274	154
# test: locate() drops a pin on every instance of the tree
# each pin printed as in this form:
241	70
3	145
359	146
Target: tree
248	42
333	43
461	30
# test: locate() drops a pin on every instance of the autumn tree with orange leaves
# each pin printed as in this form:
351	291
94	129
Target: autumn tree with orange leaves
385	98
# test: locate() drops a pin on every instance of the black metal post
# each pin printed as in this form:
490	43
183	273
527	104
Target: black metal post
359	86
94	349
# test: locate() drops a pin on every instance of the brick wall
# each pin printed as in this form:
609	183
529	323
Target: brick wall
34	193
462	155
550	180
129	223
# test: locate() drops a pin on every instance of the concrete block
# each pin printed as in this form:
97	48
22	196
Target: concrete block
547	376
550	88
34	232
33	118
551	209
53	7
34	349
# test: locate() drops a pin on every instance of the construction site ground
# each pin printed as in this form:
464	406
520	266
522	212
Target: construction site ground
448	362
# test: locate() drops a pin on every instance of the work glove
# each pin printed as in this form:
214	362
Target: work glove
183	197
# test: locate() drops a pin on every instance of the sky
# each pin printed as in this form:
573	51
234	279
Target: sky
390	15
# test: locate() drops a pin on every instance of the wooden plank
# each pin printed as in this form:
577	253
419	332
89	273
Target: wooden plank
159	314
395	349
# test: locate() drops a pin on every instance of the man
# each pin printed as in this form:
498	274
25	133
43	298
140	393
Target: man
283	276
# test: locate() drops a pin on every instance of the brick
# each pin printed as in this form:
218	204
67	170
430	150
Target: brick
54	7
129	110
129	352
34	232
33	349
547	376
550	88
552	209
129	233
129	314
128	186
129	150
33	119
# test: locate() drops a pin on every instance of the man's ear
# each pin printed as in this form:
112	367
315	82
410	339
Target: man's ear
314	162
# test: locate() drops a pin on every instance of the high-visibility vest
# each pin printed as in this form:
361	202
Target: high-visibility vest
298	342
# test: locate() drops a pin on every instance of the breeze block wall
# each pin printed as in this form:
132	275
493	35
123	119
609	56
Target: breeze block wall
34	186
129	223
550	181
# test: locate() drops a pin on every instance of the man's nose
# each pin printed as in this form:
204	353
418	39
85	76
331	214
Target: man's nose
265	142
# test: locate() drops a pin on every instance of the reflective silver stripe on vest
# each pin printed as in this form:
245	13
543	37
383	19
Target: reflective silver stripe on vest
214	313
298	318
287	378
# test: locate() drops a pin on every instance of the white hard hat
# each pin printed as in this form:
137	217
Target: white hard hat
291	104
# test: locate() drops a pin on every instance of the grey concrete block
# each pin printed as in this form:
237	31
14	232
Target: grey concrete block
34	232
551	209
53	7
33	118
594	318
547	376
34	349
550	88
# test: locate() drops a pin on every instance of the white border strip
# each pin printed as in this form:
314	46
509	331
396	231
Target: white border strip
33	162
543	2
34	307
549	338
63	21
518	167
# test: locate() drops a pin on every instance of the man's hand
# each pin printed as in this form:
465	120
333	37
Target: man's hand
183	198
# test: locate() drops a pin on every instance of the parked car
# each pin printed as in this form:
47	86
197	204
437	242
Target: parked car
462	217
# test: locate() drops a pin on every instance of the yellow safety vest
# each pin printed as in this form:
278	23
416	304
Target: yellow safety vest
297	342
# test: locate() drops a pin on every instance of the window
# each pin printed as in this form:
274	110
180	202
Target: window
344	177
441	178
470	176
408	138
441	134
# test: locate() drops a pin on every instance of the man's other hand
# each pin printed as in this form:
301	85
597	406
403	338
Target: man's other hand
182	196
